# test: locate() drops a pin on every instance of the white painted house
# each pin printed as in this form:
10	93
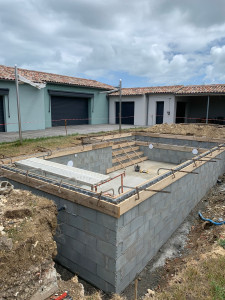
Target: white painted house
169	104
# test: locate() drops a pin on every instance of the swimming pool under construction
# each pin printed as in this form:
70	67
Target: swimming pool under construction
120	197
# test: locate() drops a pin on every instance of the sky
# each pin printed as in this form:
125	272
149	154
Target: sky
142	42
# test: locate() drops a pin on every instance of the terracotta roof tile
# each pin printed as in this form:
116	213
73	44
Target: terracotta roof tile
148	90
202	89
7	73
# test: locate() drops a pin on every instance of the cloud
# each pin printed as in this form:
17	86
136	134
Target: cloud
215	70
166	42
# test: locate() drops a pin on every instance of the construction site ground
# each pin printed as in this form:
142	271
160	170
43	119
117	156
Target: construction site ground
189	266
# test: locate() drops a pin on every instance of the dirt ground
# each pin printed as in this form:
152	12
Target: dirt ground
198	130
27	226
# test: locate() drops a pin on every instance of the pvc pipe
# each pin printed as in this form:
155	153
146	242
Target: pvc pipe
211	221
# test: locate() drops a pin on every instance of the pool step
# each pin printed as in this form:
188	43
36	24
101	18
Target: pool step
126	164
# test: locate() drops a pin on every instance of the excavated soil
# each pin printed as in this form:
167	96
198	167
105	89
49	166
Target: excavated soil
27	226
207	131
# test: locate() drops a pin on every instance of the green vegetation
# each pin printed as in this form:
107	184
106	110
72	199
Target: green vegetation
203	280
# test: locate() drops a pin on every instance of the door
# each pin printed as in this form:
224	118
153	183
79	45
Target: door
73	109
180	114
159	112
127	116
2	120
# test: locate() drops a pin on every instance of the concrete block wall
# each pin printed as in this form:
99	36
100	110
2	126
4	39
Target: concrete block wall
97	160
146	227
166	155
86	242
110	252
179	142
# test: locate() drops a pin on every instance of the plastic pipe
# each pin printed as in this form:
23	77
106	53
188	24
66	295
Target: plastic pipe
211	221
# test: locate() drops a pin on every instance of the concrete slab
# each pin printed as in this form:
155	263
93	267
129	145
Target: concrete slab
133	178
78	175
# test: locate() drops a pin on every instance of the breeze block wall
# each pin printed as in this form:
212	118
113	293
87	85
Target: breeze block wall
110	252
174	141
147	226
97	160
166	155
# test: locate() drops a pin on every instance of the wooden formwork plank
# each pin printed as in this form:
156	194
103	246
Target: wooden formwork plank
113	136
123	144
127	164
127	150
76	197
124	157
162	184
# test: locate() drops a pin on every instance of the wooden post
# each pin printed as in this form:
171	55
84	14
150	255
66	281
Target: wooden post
135	289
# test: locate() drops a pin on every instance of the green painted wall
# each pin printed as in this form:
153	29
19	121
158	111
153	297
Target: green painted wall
31	107
34	105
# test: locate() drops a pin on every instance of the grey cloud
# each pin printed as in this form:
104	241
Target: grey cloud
165	41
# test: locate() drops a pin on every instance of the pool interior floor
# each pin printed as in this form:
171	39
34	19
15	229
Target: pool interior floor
133	178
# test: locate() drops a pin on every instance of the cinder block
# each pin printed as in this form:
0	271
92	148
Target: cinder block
107	221
87	213
107	248
130	215
108	276
123	232
136	223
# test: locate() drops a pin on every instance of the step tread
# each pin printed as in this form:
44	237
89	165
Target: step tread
125	157
127	164
127	150
123	144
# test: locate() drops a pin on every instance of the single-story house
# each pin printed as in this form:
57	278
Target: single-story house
169	104
77	100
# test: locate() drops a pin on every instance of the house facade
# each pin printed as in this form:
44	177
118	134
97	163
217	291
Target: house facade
148	106
78	101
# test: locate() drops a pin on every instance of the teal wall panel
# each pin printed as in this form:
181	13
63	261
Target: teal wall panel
31	107
36	108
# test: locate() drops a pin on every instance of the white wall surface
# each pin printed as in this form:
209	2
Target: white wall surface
169	108
140	108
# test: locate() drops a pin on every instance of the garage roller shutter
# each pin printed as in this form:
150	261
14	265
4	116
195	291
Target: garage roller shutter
74	109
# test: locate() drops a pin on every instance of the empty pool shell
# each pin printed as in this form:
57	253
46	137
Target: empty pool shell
108	239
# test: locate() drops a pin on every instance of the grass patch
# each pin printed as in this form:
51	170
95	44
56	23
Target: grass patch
29	146
221	242
204	280
35	145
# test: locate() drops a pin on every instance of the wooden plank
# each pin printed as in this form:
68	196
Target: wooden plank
127	150
124	157
76	197
123	144
113	136
127	164
171	147
162	184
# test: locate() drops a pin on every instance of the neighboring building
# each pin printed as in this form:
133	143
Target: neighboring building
75	99
169	104
81	101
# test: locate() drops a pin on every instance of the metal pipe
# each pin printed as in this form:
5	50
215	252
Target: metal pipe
207	112
120	105
18	104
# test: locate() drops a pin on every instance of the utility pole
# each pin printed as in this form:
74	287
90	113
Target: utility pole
18	104
120	105
207	112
